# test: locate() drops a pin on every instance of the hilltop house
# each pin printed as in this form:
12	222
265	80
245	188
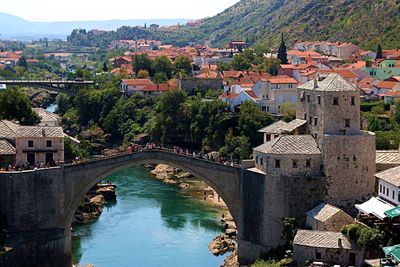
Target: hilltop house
389	185
326	217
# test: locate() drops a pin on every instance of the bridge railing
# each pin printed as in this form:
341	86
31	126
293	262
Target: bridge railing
119	153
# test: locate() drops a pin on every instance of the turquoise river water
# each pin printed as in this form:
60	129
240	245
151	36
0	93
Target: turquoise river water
151	224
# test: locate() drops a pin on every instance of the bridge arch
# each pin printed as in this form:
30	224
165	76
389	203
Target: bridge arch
80	178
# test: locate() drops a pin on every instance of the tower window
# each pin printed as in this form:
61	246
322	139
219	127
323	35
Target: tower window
308	98
353	100
308	163
305	116
30	143
319	100
294	164
315	121
336	101
277	163
347	122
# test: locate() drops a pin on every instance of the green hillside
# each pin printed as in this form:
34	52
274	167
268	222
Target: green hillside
364	22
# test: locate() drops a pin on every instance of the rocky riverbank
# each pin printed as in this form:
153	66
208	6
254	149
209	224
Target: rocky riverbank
224	242
92	205
40	98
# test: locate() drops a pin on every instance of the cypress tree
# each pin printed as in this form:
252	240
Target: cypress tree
379	52
282	54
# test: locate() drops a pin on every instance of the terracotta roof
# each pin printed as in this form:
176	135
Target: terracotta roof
307	53
287	66
156	87
283	79
323	212
251	94
229	95
391	176
393	93
333	83
231	74
387	84
290	145
357	65
137	82
6	148
345	73
320	239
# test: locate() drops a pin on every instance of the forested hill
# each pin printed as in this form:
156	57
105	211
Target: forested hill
363	22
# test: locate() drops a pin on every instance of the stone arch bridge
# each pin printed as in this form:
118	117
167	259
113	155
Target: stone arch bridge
38	206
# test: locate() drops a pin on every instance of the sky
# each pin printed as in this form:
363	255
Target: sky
73	10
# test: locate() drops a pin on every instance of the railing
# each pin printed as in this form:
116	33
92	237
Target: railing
186	154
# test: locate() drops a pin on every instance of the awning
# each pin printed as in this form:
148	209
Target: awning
392	252
393	213
375	206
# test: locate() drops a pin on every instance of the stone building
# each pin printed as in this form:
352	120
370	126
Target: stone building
327	158
47	118
32	144
326	217
327	247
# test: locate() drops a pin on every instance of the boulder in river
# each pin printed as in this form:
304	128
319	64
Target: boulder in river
221	245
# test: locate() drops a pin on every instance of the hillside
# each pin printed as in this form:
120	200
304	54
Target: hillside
364	22
16	27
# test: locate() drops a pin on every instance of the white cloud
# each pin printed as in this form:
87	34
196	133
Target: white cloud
66	10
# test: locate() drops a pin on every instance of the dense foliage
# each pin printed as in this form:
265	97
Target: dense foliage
366	23
15	106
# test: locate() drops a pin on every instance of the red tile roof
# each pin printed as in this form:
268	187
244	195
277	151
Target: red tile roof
229	95
156	87
137	82
283	79
251	94
387	84
393	93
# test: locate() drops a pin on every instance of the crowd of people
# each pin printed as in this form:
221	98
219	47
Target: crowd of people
10	167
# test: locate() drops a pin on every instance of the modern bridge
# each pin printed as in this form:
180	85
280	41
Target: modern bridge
61	86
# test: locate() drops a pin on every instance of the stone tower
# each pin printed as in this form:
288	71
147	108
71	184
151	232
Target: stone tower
331	106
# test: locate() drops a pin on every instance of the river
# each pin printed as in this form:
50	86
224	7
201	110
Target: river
151	224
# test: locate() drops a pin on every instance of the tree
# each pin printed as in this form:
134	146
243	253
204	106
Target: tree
236	148
288	111
183	64
143	74
289	230
282	54
62	103
15	106
143	62
379	52
105	68
160	77
163	65
252	119
240	62
22	62
223	66
270	65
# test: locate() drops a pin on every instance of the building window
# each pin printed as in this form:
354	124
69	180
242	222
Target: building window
308	163
257	159
294	164
318	255
310	120
268	137
387	191
398	197
393	195
308	98
336	101
290	85
277	163
261	161
30	143
49	143
380	188
353	100
267	108
347	123
305	116
315	121
319	100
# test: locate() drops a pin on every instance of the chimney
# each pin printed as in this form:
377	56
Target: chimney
340	242
316	82
43	132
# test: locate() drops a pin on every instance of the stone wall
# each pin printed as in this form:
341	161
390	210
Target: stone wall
349	166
